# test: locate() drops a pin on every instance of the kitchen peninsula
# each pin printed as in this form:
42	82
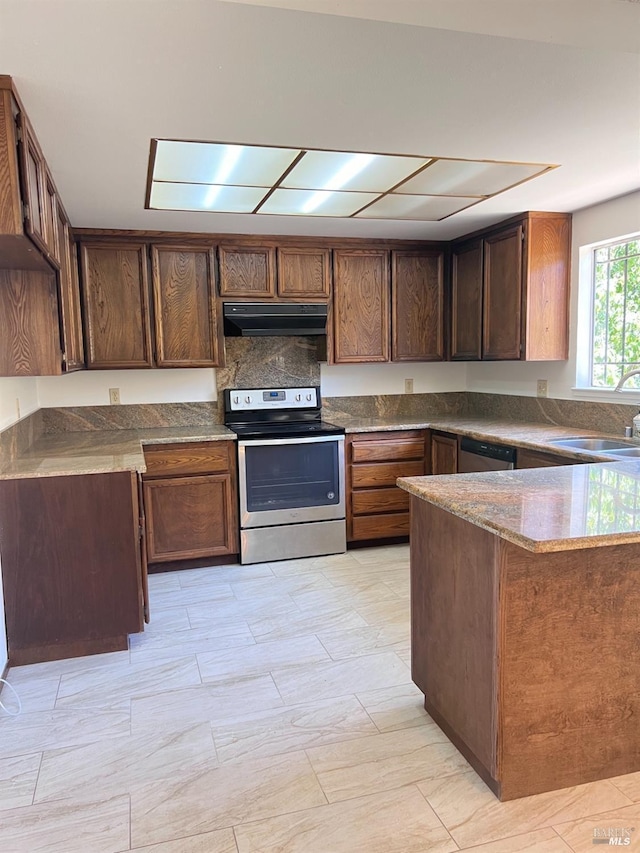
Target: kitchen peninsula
525	603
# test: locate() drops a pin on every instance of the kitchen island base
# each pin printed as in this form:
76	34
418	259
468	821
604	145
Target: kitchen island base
528	660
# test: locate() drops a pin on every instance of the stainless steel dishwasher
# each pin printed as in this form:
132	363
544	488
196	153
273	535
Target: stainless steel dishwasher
482	456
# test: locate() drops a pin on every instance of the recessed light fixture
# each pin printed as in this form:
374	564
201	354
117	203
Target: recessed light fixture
232	178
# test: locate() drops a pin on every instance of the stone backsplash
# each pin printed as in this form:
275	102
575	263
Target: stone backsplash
269	362
137	416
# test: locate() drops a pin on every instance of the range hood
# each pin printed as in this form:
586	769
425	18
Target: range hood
277	318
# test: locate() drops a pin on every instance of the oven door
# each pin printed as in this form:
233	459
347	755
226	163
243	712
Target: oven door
291	480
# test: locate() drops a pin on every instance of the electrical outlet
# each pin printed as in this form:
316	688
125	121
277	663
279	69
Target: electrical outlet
408	386
114	396
542	388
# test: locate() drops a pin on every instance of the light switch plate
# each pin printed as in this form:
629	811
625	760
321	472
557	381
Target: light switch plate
408	386
542	388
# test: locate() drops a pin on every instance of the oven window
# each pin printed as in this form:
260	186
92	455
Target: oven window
290	476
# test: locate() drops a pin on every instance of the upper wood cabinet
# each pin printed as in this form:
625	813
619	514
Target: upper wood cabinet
186	322
417	287
247	271
361	305
304	273
116	305
69	294
524	265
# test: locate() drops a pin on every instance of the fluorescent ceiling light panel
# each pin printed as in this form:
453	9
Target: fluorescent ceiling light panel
220	199
374	173
215	163
416	207
469	177
307	202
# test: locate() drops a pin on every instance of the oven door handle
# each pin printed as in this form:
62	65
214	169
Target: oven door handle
262	442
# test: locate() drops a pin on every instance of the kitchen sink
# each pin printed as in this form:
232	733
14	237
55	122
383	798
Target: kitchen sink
624	452
597	445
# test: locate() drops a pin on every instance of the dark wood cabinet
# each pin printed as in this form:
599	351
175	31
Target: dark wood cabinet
116	305
376	507
361	330
304	273
37	219
69	295
444	453
466	301
540	459
71	565
186	319
190	501
520	309
417	287
247	271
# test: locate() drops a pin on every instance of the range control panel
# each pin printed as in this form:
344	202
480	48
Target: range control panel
265	399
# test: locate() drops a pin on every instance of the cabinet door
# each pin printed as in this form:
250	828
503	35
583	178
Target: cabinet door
417	285
69	290
444	454
502	335
538	459
247	271
30	339
187	329
33	189
304	273
116	305
51	217
466	302
190	517
361	306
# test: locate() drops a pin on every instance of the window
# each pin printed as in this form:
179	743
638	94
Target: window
615	316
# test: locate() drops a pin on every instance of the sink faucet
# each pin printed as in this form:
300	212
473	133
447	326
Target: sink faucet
625	376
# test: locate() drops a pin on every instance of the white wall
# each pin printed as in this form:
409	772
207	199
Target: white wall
604	221
91	387
358	380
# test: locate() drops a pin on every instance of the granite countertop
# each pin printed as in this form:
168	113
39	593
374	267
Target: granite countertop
544	509
101	451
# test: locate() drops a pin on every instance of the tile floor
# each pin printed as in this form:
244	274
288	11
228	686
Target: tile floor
266	708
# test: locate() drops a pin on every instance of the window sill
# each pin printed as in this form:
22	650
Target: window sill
628	396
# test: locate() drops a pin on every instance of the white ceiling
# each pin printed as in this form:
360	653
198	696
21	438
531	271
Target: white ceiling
547	81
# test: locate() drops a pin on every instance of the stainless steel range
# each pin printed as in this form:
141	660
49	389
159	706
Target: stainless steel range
291	474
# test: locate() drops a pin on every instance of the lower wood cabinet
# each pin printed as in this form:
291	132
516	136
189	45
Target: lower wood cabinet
539	459
376	507
190	499
444	453
72	567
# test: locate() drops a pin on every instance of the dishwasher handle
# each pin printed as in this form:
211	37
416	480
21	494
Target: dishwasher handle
492	451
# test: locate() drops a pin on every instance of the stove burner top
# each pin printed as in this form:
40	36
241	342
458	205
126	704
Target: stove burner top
263	413
293	429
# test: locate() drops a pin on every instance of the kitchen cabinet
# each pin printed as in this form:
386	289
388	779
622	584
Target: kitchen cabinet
523	290
69	295
247	271
361	331
186	318
72	570
417	287
376	507
304	273
444	453
116	305
540	459
190	501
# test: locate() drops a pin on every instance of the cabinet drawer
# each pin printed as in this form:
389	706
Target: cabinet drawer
380	526
188	458
379	500
387	449
383	473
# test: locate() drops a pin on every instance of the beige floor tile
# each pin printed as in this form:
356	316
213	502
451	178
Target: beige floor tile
221	841
67	827
18	778
201	614
56	668
473	815
224	796
393	822
111	686
629	785
355	768
291	728
163	580
175	710
260	658
331	562
291	585
60	728
159	647
166	621
361	579
395	708
190	578
394	610
99	771
386	555
540	841
623	822
299	624
340	678
35	693
318	600
213	592
354	642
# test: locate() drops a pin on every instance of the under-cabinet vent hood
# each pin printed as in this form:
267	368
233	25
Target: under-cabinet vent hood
278	318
